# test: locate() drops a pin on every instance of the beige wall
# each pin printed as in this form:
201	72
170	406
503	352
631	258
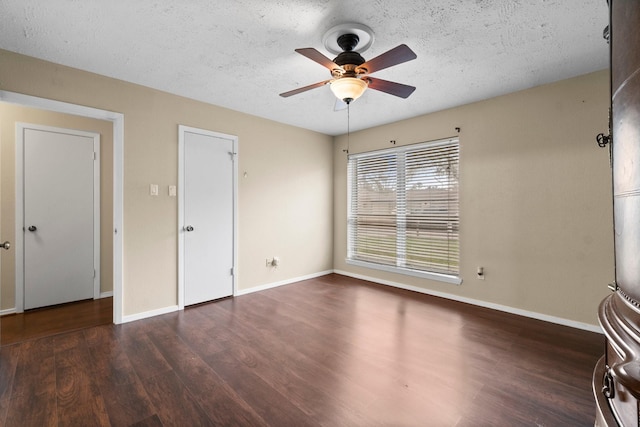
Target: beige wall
285	202
535	197
9	115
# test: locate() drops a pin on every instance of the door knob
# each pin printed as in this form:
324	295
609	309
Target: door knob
188	228
32	228
6	245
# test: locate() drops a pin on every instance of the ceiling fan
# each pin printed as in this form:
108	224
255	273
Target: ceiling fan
351	73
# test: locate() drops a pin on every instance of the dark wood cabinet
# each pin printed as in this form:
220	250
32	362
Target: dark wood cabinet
616	380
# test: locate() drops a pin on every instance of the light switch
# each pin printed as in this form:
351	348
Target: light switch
153	189
172	190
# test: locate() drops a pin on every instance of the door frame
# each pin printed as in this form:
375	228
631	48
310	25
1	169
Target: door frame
182	129
19	219
117	120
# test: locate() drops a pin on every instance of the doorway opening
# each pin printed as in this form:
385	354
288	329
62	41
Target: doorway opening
111	300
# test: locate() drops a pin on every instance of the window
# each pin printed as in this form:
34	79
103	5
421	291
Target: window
403	211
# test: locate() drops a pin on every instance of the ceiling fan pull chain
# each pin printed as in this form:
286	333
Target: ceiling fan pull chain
348	125
348	128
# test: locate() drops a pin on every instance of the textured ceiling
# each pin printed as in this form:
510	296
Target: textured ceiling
240	54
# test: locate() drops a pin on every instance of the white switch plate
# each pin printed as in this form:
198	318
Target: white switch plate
153	189
172	191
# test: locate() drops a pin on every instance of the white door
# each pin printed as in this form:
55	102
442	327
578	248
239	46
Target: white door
60	224
207	226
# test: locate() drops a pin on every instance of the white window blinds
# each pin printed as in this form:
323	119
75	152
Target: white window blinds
403	207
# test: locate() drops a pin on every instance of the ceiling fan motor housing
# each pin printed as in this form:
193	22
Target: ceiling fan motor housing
347	43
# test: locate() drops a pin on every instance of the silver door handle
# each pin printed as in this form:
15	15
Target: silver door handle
188	228
6	245
32	228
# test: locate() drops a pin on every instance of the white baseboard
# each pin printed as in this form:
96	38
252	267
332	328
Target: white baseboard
480	303
106	294
7	311
147	314
281	283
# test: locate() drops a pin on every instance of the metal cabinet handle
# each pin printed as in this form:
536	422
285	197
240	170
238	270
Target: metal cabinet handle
608	386
6	245
32	228
188	228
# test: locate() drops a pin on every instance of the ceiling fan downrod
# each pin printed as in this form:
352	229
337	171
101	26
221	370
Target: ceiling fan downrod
347	43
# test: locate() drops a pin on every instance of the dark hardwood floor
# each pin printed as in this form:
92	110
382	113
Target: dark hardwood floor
55	320
332	351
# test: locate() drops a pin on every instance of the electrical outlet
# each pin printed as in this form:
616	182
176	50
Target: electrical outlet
272	262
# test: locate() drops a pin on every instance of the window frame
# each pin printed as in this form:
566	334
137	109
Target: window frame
400	222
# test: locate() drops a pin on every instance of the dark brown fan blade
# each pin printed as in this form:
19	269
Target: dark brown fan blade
392	88
304	89
392	57
316	56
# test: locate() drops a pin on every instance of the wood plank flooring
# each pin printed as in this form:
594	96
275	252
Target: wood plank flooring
332	351
54	320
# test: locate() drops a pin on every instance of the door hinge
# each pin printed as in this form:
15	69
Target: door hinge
232	271
94	273
95	156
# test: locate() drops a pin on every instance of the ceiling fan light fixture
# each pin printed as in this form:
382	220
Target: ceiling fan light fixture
348	89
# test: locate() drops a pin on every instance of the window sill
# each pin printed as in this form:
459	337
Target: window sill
454	280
